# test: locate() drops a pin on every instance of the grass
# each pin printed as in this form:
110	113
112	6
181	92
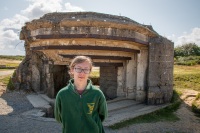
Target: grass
7	62
94	74
6	80
13	65
196	105
187	77
9	57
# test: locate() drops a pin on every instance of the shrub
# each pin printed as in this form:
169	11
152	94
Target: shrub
190	49
195	106
188	61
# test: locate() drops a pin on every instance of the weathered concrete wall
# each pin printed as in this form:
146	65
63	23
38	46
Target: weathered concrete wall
142	67
120	82
36	69
108	81
22	79
131	75
39	72
98	31
160	71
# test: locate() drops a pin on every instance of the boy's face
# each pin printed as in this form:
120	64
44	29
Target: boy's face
81	71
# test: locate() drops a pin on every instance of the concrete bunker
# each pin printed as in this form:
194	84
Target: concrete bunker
135	62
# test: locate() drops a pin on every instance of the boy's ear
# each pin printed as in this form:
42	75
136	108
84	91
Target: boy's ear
72	71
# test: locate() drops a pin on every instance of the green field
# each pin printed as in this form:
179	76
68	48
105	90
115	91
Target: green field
9	57
187	77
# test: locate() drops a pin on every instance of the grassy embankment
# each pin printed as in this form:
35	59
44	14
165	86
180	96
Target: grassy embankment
188	77
8	63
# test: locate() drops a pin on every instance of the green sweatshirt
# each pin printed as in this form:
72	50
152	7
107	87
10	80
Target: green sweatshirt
80	113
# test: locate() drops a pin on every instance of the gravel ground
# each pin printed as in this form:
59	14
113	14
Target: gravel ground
14	104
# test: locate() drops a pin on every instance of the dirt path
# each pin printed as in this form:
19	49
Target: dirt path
7	72
14	104
4	73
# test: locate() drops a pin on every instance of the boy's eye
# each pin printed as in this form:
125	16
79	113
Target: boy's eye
79	70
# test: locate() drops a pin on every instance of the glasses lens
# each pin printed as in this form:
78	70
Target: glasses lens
79	70
86	71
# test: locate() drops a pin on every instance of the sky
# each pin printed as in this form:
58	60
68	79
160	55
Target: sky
177	20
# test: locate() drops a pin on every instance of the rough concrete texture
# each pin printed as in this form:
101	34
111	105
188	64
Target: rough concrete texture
160	76
143	58
108	81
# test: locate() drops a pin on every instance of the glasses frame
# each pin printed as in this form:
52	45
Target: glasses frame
82	70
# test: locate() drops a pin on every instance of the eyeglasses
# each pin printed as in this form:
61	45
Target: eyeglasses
79	70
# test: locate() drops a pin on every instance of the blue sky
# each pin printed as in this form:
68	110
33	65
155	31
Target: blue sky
178	20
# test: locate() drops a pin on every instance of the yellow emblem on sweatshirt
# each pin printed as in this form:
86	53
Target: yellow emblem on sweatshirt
91	107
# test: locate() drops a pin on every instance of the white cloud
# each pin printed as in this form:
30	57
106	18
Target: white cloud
38	8
70	8
172	37
8	43
193	37
16	22
10	27
9	35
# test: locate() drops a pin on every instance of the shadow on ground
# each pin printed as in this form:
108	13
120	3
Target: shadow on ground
13	105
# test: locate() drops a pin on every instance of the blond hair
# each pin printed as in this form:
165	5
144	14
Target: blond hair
80	59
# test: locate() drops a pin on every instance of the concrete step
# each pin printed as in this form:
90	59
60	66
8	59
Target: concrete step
119	109
127	109
39	102
117	99
121	104
51	101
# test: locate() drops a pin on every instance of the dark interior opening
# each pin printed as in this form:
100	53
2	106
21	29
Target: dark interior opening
60	77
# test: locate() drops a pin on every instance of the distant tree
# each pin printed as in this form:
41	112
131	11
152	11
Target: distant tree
190	49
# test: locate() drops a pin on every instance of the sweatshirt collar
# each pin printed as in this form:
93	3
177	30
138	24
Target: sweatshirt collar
71	82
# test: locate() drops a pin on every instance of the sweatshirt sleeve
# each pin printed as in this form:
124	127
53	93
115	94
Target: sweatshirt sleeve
57	109
103	111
